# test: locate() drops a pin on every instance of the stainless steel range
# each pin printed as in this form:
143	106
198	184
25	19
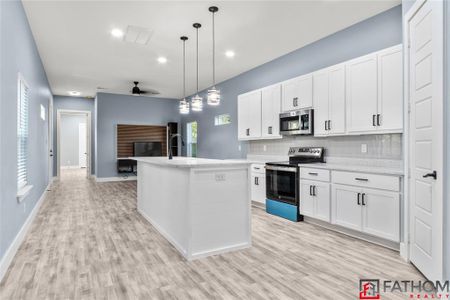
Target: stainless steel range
282	182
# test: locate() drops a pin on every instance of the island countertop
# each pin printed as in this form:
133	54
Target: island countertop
190	162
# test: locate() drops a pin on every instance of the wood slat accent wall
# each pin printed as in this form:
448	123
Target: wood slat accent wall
128	134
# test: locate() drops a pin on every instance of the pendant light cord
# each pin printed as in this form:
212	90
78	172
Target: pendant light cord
197	60
214	51
184	68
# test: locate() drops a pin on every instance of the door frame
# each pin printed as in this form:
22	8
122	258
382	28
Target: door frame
405	247
50	138
59	113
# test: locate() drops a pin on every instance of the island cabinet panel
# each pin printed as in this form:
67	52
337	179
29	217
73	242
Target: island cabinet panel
201	206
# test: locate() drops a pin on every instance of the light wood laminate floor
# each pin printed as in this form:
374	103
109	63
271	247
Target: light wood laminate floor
89	242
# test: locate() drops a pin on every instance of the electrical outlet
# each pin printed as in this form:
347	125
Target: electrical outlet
220	177
24	207
264	148
363	148
239	148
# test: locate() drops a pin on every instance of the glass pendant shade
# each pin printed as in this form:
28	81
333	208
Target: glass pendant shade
197	103
213	96
184	107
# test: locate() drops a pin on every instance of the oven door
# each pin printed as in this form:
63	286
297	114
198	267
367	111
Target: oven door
282	184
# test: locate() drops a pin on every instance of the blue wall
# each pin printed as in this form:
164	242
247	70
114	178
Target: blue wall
19	54
113	109
74	103
378	32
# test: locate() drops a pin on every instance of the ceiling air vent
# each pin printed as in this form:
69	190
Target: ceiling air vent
138	35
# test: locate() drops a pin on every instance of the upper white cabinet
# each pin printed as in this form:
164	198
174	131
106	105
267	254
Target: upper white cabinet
390	90
258	114
297	93
271	108
249	115
362	95
374	92
329	101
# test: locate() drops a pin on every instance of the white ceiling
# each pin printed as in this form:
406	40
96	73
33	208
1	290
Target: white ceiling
78	52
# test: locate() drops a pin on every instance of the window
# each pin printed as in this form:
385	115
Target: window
222	119
192	139
23	96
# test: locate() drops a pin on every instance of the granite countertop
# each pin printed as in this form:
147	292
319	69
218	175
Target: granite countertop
190	162
384	170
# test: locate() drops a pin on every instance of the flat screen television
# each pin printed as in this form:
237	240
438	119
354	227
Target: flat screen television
147	149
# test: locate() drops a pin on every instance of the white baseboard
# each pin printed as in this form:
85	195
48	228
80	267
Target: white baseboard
118	178
12	250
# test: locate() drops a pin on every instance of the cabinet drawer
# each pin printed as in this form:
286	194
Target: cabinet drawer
315	174
383	182
258	168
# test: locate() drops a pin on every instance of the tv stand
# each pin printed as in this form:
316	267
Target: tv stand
126	165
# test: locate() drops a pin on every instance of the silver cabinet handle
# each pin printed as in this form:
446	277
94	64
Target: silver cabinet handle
314	190
329	124
373	120
363	198
326	125
295	101
313	173
247	131
310	190
361	179
358	199
269	130
378	120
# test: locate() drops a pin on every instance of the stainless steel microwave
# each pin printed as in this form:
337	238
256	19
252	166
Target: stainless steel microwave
297	122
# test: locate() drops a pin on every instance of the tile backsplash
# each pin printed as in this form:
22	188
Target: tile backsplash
383	146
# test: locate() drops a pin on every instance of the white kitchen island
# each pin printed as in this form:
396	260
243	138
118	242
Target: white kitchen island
201	206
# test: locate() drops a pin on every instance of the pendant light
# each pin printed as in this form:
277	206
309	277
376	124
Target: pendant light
213	93
197	101
184	104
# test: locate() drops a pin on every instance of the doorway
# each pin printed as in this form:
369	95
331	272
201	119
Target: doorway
424	35
191	139
73	144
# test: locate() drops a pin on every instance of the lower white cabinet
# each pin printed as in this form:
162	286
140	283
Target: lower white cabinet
315	199
372	211
258	184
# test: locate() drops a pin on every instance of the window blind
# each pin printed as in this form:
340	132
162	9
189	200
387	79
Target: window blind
22	133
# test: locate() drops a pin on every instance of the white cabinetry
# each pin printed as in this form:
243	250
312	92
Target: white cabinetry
271	107
374	92
329	101
258	184
368	203
297	93
315	194
249	115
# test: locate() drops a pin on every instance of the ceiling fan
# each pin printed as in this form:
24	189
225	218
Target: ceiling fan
136	91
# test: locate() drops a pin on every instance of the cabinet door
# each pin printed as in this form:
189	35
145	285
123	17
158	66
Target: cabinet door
306	199
346	210
390	90
381	214
305	94
289	95
249	115
321	108
361	94
336	124
322	201
258	188
271	108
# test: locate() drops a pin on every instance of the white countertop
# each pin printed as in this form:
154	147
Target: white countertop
356	168
190	162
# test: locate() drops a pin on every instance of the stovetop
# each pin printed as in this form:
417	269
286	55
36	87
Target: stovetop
302	155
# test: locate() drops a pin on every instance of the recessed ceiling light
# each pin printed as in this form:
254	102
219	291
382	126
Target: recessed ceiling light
229	53
162	60
117	33
74	93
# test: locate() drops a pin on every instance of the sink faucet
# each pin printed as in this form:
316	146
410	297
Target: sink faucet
170	143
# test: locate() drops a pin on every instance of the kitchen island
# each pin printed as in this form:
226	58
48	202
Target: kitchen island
201	206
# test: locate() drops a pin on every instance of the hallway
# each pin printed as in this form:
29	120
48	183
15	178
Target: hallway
88	241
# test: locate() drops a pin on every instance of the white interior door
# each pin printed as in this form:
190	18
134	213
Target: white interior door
82	145
50	138
426	138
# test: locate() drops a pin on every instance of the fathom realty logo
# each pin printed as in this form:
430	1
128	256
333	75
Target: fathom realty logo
369	289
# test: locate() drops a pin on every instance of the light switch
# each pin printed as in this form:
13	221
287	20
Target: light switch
363	148
239	148
264	148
